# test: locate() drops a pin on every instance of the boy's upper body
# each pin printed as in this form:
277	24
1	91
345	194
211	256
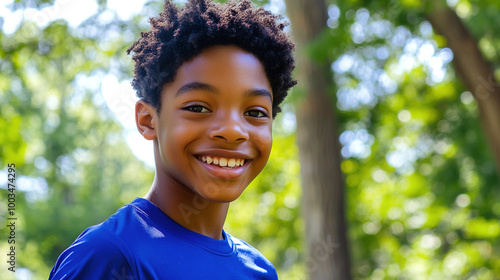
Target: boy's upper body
141	242
210	78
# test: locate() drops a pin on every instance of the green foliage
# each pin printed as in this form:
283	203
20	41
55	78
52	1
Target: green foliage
421	200
74	168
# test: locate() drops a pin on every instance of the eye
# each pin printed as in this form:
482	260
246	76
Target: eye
256	114
196	109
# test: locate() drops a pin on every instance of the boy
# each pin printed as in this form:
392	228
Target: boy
210	79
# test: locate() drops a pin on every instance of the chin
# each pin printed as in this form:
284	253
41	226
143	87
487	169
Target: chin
222	194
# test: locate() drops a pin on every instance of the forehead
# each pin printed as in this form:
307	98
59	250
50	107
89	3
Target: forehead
224	67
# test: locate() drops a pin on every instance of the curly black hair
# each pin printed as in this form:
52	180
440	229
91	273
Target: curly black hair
179	34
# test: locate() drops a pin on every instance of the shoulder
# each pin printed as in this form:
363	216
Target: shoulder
253	257
97	253
243	248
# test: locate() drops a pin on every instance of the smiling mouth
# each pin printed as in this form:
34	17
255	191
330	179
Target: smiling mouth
223	162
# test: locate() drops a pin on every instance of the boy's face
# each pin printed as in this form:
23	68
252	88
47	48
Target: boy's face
214	130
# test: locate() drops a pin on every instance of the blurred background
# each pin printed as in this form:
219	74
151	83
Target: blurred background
385	162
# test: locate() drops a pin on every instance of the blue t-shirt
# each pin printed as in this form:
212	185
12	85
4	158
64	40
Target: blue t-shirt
141	242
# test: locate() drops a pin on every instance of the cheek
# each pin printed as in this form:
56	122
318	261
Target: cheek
175	138
264	141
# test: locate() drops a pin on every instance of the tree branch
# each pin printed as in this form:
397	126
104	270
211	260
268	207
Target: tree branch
474	70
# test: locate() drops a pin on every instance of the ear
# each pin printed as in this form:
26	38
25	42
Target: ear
145	119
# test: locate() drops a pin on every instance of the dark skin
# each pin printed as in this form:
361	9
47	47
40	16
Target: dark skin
212	137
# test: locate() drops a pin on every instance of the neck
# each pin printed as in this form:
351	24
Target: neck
188	208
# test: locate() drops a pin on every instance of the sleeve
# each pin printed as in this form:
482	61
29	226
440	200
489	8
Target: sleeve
96	254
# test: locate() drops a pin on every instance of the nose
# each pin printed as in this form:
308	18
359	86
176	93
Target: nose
229	128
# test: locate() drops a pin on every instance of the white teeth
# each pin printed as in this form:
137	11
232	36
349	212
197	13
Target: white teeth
223	162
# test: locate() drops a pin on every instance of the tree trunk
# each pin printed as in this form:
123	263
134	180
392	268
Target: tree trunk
476	73
319	151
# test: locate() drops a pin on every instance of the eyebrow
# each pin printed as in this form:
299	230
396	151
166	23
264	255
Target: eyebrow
259	92
196	86
193	86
